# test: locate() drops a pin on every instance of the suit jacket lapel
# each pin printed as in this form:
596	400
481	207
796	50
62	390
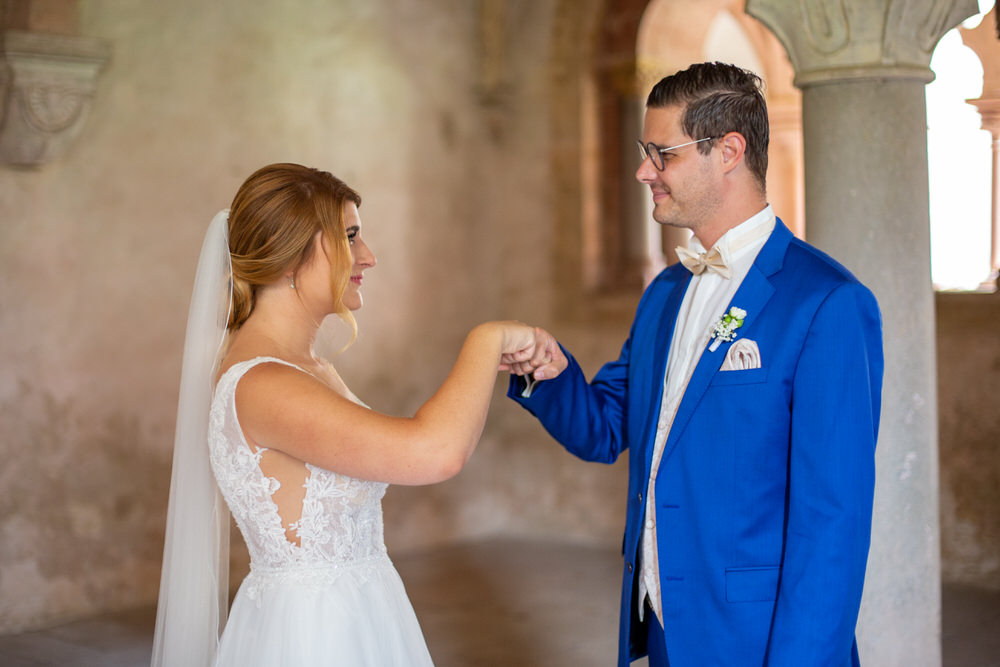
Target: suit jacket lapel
665	332
752	296
661	348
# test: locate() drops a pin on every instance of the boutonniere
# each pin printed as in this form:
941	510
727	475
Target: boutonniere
724	329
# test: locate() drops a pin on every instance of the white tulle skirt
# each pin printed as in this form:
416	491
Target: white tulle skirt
357	616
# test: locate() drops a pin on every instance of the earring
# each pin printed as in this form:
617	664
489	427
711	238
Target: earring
291	281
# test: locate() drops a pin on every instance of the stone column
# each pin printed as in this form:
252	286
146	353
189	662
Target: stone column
862	66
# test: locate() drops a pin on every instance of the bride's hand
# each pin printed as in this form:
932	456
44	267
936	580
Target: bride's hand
518	340
544	359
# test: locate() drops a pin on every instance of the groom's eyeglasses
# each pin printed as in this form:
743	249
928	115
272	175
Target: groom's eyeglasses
655	153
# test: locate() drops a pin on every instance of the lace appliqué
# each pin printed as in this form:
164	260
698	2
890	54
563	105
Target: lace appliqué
314	578
340	529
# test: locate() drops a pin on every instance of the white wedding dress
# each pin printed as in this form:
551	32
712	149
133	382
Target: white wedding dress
333	599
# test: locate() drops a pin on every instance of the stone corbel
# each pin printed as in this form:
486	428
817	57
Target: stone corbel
48	82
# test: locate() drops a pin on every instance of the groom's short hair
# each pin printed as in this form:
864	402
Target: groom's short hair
718	98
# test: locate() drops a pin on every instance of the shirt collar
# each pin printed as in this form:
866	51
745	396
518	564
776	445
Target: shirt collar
743	238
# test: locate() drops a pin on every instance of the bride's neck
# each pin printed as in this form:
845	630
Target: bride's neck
281	326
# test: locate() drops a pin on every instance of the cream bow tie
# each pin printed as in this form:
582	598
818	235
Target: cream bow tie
697	263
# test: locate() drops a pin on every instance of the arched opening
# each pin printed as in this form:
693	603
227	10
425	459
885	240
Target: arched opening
961	166
671	37
609	246
620	247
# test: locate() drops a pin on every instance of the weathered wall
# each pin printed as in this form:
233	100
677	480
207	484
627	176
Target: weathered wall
968	348
436	119
458	122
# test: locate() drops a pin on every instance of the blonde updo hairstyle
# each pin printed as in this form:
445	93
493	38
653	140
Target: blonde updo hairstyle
272	222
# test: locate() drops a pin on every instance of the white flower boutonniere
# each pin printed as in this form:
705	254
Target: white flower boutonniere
724	330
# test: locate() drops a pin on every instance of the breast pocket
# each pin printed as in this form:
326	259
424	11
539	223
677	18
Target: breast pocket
749	376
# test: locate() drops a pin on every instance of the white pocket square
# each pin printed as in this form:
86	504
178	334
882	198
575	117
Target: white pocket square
742	355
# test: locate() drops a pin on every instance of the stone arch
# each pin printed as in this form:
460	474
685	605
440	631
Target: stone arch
601	70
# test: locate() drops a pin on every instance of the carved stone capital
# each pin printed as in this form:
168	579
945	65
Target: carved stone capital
836	40
989	112
48	85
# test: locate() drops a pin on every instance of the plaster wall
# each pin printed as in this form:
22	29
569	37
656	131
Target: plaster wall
450	117
441	127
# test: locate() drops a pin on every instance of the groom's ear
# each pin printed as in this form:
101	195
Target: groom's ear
732	148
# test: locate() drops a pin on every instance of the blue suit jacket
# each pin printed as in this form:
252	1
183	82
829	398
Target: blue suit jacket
764	491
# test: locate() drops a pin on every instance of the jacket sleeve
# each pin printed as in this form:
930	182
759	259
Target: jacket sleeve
585	417
836	399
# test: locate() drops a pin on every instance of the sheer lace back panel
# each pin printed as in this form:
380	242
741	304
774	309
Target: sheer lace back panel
341	518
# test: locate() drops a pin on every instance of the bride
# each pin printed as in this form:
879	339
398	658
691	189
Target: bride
301	463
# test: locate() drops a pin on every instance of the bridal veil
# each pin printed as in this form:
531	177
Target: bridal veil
193	598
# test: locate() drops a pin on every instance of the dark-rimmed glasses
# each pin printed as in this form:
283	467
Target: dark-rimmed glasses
655	153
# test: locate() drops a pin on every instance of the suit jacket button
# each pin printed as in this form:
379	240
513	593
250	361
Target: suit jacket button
630	568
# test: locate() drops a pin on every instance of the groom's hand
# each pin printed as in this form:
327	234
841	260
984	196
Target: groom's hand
546	361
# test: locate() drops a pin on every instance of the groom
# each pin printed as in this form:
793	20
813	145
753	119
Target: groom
748	394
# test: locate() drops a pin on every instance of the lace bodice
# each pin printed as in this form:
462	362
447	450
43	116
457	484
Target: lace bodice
341	521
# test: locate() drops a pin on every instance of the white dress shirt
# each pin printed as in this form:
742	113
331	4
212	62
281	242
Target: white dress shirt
707	297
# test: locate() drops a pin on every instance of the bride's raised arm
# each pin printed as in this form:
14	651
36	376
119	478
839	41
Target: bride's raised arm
285	409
